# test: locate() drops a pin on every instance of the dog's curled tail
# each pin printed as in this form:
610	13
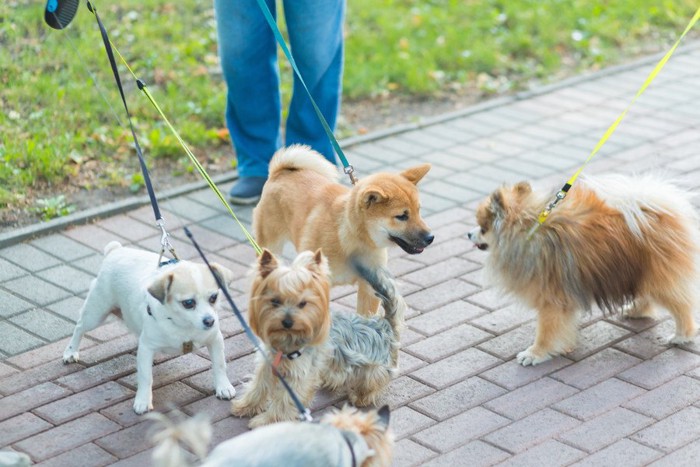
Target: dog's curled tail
169	436
301	157
111	246
384	286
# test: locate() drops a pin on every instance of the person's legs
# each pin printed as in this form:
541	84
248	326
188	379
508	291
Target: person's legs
248	54
316	36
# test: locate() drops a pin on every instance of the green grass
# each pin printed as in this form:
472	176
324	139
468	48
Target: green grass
61	118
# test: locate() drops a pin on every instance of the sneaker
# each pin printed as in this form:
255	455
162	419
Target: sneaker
246	190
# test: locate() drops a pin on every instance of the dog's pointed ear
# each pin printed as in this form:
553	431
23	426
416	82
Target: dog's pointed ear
319	264
522	188
384	415
415	174
160	287
498	203
267	263
373	195
223	274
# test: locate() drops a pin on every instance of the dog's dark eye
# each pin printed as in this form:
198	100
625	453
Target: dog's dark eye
189	303
483	231
302	304
402	217
213	297
275	302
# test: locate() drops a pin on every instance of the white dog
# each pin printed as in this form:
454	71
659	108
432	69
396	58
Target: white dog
172	308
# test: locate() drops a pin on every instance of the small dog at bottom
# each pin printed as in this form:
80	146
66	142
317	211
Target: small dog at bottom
620	242
343	438
172	309
343	352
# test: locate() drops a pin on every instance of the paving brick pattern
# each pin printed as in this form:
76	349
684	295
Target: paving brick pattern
622	397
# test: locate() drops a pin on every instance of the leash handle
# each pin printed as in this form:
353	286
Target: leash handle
304	413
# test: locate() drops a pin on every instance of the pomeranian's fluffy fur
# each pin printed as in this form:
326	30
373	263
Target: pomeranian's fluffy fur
619	242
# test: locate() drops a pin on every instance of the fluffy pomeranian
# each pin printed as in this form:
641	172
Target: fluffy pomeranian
621	243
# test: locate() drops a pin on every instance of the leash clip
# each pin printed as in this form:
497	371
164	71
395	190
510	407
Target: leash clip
165	240
305	416
546	212
350	172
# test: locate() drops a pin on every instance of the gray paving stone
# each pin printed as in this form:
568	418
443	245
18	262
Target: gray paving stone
596	368
445	317
451	341
604	430
512	375
62	247
474	454
42	292
83	403
457	431
455	368
403	390
10	271
531	430
87	454
15	340
440	272
458	398
69	308
44	324
650	343
405	421
67	277
93	236
550	453
29	257
595	337
624	452
20	427
687	456
507	345
672	432
598	399
12	304
530	398
667	398
504	319
410	454
662	368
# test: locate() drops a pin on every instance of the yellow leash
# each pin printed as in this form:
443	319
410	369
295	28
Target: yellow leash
562	193
195	162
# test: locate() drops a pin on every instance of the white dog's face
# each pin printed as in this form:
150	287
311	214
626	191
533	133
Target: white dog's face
190	294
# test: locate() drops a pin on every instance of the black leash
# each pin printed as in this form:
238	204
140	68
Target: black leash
304	414
160	222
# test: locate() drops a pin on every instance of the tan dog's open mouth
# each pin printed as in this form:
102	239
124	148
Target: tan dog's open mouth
407	247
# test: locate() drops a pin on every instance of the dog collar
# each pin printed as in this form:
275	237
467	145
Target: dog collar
187	347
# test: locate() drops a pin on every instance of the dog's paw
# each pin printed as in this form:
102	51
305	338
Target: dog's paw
141	407
225	392
70	357
261	420
528	357
239	408
675	339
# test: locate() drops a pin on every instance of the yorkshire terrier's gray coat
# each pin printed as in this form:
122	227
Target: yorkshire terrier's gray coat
343	352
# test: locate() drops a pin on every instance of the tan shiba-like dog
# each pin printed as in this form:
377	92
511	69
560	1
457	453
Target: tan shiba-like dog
172	309
303	202
622	243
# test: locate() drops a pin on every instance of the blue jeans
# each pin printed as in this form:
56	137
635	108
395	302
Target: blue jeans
248	53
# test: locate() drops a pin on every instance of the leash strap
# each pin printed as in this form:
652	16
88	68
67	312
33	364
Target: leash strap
611	129
347	168
304	413
160	222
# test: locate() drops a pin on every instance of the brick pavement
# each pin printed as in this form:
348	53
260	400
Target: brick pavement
622	398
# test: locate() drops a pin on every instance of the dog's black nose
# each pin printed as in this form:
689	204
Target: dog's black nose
428	239
288	322
208	321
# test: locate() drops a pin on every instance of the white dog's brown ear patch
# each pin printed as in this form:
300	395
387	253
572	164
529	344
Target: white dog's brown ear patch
267	263
415	174
160	288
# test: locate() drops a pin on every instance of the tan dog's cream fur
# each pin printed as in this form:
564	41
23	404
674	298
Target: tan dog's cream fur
170	309
302	202
623	243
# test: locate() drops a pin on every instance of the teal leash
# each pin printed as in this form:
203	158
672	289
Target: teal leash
347	168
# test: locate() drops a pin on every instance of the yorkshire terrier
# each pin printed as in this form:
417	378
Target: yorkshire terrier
313	348
344	438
